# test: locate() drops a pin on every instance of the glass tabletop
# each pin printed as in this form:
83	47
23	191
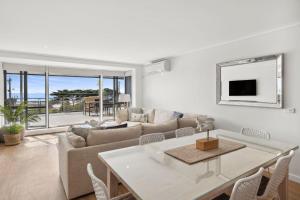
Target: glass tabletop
152	174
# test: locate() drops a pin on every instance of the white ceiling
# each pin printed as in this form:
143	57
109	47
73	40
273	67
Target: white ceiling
135	31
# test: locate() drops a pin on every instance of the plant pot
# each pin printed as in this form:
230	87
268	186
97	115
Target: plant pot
1	135
12	139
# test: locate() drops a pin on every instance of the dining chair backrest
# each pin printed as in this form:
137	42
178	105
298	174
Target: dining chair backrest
187	131
100	188
280	172
150	138
246	188
256	133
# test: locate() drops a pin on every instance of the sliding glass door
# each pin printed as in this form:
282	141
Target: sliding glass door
72	99
112	88
108	98
30	88
35	96
13	89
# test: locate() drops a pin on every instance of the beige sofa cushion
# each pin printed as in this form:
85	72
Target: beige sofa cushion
75	140
187	122
162	116
160	128
122	116
96	137
200	118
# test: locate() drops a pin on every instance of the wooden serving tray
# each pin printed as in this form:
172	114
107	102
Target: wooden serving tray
190	154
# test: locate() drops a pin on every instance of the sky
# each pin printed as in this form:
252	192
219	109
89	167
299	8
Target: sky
36	84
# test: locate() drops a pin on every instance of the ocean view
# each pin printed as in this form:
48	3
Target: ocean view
32	96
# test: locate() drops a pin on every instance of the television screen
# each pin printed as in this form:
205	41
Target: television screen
242	88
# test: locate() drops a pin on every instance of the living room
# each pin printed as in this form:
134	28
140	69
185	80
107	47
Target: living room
93	83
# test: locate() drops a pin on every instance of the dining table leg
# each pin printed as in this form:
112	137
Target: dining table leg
283	188
112	184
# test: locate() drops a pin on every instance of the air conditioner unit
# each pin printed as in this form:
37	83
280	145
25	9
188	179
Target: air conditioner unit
158	67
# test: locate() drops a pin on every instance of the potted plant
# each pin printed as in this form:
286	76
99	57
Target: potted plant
15	118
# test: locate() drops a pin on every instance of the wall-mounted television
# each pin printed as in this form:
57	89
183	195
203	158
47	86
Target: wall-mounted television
242	88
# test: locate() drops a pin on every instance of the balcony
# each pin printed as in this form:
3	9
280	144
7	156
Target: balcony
67	111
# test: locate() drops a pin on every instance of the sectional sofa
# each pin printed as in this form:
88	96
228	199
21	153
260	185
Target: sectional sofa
76	150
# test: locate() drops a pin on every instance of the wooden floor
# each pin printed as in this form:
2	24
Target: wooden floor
29	171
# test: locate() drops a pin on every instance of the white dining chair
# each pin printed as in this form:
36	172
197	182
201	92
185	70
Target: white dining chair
182	132
150	138
269	187
245	188
100	188
256	133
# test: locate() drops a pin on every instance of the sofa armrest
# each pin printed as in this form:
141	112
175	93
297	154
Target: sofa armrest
63	147
73	162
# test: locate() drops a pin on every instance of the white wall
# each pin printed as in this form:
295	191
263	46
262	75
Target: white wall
191	87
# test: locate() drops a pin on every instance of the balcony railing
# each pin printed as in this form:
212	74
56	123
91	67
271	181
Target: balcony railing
66	103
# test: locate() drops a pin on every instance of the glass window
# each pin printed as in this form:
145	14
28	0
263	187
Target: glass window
108	98
36	99
121	85
73	100
13	89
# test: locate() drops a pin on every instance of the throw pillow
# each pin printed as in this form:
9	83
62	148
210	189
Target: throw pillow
139	117
162	116
150	113
75	140
178	115
80	130
134	110
122	116
93	123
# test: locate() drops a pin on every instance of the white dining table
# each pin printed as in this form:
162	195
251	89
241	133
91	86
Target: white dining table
150	174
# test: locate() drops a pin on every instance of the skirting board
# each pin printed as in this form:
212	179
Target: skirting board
294	178
46	131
